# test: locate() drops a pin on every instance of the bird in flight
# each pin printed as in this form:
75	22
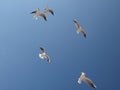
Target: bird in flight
48	10
79	28
38	13
85	79
44	55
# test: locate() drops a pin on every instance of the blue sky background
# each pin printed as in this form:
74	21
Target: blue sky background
21	36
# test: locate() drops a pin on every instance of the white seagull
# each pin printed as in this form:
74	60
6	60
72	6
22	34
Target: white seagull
38	13
79	28
44	55
85	79
48	10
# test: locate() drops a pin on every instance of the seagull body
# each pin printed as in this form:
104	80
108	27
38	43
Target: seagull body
85	79
48	10
79	28
44	55
38	13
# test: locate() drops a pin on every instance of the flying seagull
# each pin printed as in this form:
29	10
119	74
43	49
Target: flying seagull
79	28
44	55
38	13
85	79
48	10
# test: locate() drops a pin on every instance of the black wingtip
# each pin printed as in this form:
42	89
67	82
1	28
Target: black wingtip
94	87
85	36
33	12
52	13
74	20
45	18
41	48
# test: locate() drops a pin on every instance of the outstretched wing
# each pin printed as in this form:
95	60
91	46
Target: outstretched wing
76	23
33	12
84	34
89	82
42	49
43	15
51	11
48	10
47	58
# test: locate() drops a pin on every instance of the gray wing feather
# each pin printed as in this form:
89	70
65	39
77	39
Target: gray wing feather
43	15
47	58
84	34
89	82
51	11
76	23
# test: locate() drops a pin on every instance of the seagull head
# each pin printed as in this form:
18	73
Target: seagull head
83	73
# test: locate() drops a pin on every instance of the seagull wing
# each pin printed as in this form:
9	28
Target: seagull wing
84	34
33	12
51	11
42	49
76	23
89	82
47	58
43	15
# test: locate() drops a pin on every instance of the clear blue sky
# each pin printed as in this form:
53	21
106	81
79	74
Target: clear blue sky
21	36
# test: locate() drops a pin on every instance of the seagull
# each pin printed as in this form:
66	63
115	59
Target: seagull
85	79
44	55
79	28
48	10
38	13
